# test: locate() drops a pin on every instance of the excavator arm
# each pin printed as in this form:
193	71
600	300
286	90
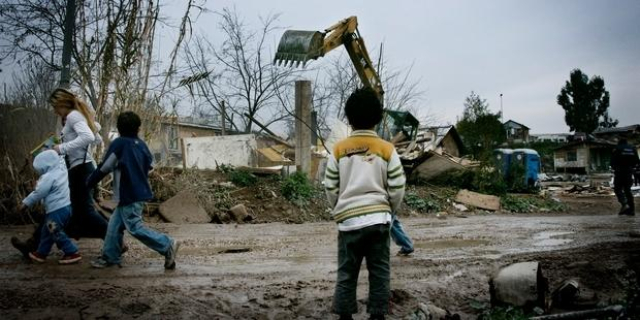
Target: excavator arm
298	47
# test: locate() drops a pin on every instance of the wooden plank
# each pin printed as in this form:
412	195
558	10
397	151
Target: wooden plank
478	200
275	170
398	137
436	165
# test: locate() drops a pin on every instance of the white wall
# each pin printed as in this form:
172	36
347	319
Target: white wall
204	152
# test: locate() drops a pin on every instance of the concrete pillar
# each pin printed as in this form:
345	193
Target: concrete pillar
303	122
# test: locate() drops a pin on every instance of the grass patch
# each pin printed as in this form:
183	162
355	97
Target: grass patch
422	204
530	204
500	313
242	178
297	188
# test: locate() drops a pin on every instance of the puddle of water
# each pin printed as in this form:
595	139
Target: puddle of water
552	242
451	243
552	238
551	234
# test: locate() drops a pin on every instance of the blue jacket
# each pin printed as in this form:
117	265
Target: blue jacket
53	185
130	160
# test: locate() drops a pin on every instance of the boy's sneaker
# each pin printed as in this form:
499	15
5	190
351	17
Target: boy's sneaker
70	258
101	263
36	257
170	258
404	252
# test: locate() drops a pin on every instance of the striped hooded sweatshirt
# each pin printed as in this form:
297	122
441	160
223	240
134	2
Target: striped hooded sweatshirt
364	181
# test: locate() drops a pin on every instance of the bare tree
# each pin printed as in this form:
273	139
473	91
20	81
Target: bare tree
238	72
341	80
32	85
111	56
401	91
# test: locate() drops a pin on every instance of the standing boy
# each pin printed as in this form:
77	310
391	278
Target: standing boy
364	182
130	159
53	189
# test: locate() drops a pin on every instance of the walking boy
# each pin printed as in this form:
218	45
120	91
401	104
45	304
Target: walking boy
364	183
53	189
130	159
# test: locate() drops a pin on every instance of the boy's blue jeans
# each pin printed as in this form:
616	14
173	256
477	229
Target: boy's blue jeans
53	232
129	217
400	237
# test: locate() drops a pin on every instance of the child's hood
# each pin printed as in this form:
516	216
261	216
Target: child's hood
46	161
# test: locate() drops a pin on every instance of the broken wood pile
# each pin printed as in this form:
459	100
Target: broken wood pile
582	190
426	157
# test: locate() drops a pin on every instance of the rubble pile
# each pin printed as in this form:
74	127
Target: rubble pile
426	155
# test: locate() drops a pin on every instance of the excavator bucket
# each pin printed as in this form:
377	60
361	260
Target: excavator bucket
298	47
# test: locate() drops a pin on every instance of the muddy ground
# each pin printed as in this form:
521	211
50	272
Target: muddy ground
287	271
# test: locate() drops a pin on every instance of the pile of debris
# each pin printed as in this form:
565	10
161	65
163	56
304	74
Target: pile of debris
582	190
431	152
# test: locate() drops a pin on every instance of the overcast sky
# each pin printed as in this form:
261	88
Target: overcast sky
522	49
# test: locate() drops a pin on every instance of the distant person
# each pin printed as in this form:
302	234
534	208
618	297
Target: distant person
623	162
636	175
130	160
79	134
365	185
53	189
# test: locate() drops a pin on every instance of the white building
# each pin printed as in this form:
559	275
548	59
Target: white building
550	137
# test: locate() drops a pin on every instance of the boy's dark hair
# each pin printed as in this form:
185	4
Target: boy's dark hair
363	109
128	124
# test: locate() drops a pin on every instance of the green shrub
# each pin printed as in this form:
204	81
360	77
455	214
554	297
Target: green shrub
529	204
483	180
424	205
297	188
490	181
226	168
503	313
242	178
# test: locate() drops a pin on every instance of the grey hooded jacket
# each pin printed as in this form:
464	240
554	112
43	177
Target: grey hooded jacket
53	185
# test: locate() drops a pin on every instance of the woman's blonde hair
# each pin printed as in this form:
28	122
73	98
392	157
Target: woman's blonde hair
64	98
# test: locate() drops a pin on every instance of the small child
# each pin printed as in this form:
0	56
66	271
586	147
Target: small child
364	182
53	189
130	159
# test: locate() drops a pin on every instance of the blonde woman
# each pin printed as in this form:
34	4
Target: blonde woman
79	132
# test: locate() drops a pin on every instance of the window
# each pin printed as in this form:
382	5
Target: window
572	155
173	138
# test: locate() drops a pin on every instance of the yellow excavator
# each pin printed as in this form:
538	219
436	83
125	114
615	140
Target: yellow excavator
297	47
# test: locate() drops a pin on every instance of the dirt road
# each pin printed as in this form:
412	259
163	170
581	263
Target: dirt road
287	271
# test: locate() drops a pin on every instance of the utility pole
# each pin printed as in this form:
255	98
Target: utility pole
501	110
303	133
69	28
